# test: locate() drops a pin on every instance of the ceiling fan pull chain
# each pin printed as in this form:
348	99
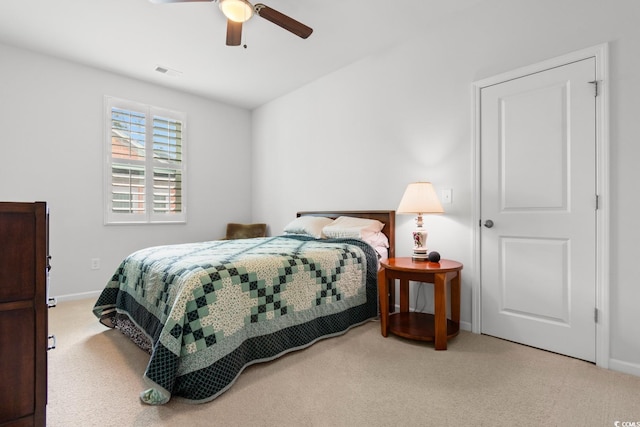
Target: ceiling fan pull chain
244	37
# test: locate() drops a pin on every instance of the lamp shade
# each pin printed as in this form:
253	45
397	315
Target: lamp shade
236	10
419	198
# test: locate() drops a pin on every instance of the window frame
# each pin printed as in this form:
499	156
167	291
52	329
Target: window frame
149	164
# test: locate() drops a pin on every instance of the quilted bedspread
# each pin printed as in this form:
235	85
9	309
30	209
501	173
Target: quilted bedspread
210	309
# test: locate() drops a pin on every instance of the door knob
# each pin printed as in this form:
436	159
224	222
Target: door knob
488	223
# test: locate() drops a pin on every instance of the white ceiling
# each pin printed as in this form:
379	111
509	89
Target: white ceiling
133	37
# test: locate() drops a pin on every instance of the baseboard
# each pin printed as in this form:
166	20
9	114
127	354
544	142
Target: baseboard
82	295
625	367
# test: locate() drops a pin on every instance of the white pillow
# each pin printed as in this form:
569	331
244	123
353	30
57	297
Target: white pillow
377	240
350	227
308	225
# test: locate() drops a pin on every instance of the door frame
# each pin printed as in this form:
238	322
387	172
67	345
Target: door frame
600	53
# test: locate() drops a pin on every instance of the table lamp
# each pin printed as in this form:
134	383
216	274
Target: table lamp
420	198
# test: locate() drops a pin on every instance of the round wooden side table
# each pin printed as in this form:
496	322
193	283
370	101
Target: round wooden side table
413	325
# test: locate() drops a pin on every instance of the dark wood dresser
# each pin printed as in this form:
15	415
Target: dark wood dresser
24	340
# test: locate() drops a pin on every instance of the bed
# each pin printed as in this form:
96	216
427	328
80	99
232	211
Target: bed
205	311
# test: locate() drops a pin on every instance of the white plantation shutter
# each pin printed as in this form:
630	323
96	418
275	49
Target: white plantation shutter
167	165
167	190
145	166
167	139
127	189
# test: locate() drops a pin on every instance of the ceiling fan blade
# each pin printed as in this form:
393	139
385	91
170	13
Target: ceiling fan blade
234	33
289	24
176	1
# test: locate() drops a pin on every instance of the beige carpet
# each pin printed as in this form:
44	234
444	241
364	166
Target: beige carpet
358	379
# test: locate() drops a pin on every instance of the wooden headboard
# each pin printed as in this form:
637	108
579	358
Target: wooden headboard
388	218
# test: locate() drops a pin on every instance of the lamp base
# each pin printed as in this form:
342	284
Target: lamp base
419	241
420	255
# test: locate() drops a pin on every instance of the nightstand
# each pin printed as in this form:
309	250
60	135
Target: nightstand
420	326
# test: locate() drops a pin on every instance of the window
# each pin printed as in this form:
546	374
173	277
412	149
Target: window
145	163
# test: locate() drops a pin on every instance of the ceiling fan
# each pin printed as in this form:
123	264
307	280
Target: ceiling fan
239	11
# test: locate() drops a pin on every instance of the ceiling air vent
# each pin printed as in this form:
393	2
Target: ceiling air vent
168	71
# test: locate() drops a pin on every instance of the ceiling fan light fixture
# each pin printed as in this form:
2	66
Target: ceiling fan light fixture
236	10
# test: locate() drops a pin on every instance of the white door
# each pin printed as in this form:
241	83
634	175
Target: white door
538	209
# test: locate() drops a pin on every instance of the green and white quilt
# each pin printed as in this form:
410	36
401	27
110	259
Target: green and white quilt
211	309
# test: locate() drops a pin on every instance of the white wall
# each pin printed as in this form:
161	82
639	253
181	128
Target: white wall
354	139
51	148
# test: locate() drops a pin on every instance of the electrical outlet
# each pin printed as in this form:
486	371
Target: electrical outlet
447	196
95	263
